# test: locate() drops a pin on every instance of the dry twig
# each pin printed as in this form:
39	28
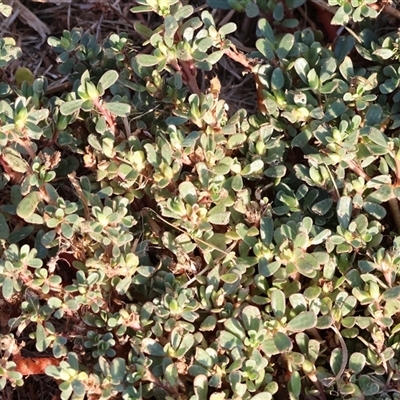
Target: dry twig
29	18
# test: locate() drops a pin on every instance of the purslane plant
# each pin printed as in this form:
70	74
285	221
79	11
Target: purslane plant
156	245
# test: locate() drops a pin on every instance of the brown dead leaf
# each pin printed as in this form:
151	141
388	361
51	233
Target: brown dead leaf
215	87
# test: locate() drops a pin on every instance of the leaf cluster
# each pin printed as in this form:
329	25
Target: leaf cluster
191	253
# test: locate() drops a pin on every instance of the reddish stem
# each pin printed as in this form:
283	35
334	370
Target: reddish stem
189	75
358	170
14	175
393	202
26	145
106	114
238	57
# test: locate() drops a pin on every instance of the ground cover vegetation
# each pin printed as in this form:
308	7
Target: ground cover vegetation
159	241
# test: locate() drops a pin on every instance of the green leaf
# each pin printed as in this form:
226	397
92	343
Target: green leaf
290	23
188	192
266	268
279	12
88	90
343	210
278	303
301	139
184	12
185	345
285	45
35	219
119	109
385	54
335	360
152	347
322	207
143	30
204	358
78	387
267	230
307	265
42	341
277	79
265	48
357	362
374	209
303	321
104	366
215	57
262	396
171	26
14	160
251	318
389	85
329	87
70	107
209	323
344	45
7	288
302	68
321	237
6	10
229	341
374	115
107	80
391	294
282	342
236	140
221	218
141	9
340	17
269	347
324	322
346	69
237	183
118	370
255	166
20	234
266	30
252	10
221	4
200	387
375	135
53	371
229	278
328	69
335	109
277	171
147	60
28	204
204	44
294	385
4	228
313	79
234	326
228	28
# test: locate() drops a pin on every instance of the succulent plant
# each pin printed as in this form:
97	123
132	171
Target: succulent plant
157	245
